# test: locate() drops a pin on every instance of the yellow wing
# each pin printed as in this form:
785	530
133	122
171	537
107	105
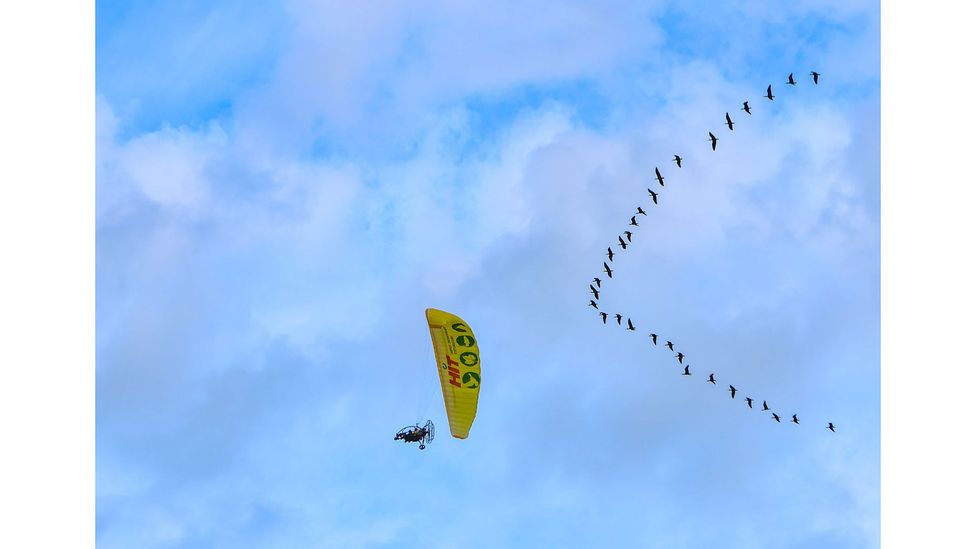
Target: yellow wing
459	367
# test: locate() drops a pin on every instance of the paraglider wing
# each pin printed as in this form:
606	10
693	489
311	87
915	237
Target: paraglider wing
459	368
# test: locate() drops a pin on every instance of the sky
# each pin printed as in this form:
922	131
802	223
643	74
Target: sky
283	188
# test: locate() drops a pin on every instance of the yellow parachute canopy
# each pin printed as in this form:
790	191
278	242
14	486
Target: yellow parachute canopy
459	367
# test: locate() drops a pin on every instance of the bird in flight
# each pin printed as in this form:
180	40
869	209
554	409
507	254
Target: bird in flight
596	293
609	253
687	371
732	390
831	427
790	80
765	407
604	315
597	280
795	420
630	325
593	304
711	379
713	139
658	176
680	356
654	339
677	160
607	269
670	345
745	107
628	234
653	195
816	77
633	221
776	417
728	121
641	211
769	92
622	243
619	317
749	401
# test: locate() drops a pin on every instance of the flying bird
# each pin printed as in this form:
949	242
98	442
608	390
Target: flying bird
658	176
607	269
790	81
765	407
711	379
641	211
816	77
687	371
769	92
680	356
628	234
795	420
749	401
630	325
604	315
633	221
619	317
728	121
653	195
670	345
609	253
776	417
677	159
596	294
654	339
732	390
831	427
622	243
713	139
593	304
597	280
745	107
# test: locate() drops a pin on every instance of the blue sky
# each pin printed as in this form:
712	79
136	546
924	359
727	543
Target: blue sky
283	188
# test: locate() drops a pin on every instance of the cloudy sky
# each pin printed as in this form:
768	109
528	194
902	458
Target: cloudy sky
283	188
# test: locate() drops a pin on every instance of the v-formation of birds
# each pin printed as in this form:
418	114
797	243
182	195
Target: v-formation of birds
624	240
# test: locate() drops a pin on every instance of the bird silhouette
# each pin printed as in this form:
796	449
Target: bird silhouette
653	195
831	427
769	92
619	318
816	77
596	293
680	356
790	81
641	211
609	253
633	221
630	325
687	371
732	390
622	243
597	280
797	421
654	339
713	139
711	379
593	304
628	234
765	406
749	401
776	417
604	315
607	269
745	107
658	176
728	121
677	160
670	345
